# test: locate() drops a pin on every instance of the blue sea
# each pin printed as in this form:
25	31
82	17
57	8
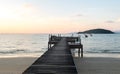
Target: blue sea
34	45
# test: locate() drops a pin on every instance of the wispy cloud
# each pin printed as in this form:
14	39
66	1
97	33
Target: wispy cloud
79	15
113	21
109	21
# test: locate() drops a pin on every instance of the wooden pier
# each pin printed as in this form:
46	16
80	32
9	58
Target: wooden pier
58	59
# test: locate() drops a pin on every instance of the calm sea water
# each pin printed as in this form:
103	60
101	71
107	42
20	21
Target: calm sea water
34	45
22	45
102	45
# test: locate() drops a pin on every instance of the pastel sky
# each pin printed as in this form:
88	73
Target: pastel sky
58	16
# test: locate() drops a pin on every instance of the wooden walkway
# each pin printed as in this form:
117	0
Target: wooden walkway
57	60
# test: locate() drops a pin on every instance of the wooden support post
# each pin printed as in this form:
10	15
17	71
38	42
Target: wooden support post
81	51
78	52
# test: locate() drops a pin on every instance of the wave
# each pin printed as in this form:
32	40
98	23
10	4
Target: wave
15	51
104	51
12	51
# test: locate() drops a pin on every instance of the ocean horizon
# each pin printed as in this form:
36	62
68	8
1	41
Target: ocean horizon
34	45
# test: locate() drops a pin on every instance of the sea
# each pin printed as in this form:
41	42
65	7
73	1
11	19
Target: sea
34	45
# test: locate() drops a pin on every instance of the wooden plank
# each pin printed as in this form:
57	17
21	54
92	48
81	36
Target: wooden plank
57	60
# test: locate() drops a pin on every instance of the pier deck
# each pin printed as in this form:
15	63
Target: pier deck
57	60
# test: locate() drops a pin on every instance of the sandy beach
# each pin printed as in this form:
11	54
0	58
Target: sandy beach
97	65
15	65
86	65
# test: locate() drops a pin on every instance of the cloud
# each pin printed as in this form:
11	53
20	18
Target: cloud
79	15
109	21
113	21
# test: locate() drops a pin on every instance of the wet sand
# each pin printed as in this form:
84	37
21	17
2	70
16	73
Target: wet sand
15	65
97	65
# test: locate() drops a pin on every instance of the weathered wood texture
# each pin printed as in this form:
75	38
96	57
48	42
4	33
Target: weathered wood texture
57	60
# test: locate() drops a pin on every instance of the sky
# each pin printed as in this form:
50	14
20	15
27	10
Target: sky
58	16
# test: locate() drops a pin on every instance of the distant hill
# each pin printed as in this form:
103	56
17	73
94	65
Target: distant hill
98	31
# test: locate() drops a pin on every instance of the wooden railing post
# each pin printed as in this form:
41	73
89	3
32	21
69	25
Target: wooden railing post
81	51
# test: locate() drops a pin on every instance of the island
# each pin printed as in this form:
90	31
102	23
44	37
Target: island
97	31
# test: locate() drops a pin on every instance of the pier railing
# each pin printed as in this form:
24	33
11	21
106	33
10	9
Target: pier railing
73	42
